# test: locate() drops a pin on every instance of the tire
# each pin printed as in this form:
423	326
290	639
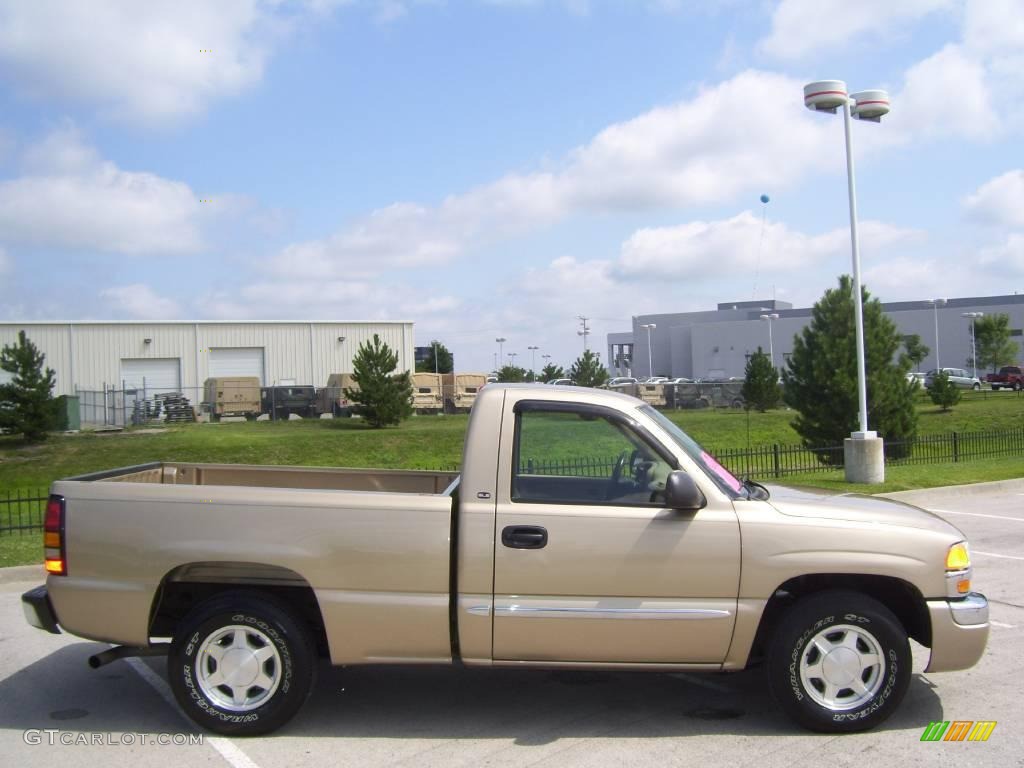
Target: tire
277	658
1016	386
976	387
995	388
856	629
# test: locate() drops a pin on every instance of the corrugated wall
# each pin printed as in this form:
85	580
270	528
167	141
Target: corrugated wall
88	355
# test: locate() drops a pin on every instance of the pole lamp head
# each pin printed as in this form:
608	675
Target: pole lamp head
870	105
825	95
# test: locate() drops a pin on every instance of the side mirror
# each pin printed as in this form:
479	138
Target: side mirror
682	493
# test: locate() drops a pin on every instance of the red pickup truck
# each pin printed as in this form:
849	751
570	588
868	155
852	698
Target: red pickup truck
1009	376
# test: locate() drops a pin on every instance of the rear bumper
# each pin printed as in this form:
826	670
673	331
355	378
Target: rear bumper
38	611
959	632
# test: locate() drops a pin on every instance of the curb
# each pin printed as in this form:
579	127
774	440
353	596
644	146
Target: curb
946	491
16	573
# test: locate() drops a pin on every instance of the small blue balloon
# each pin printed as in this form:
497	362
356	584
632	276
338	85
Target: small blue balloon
765	198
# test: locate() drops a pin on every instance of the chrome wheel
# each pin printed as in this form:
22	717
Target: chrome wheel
841	667
238	668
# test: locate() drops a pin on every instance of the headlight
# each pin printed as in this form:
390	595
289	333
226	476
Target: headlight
958	570
958	558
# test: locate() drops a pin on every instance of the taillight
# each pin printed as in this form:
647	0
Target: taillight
53	537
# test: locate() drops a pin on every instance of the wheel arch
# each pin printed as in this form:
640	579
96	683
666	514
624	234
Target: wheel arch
188	585
899	596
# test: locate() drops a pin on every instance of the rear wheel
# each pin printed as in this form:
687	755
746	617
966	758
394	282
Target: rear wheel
976	387
240	664
840	662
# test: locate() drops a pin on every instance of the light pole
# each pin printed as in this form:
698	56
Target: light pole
936	303
501	340
434	343
828	96
512	359
586	330
771	345
650	360
974	354
533	362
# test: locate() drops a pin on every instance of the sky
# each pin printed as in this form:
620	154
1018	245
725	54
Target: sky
498	168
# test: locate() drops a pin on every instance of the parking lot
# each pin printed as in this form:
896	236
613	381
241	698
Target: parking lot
443	717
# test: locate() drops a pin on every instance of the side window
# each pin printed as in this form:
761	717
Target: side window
569	457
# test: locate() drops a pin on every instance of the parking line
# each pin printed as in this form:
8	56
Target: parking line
1000	624
976	514
235	757
993	554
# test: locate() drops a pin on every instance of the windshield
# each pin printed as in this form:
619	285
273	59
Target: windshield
722	477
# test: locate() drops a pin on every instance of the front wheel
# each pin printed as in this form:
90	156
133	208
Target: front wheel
240	664
840	662
976	387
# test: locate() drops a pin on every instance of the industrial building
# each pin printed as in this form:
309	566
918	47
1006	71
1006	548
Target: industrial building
180	356
717	343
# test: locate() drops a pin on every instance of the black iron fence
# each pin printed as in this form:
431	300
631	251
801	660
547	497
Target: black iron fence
22	511
780	460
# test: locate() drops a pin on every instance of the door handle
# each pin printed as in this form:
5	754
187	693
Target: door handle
524	536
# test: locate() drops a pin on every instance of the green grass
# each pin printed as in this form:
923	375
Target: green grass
915	476
21	550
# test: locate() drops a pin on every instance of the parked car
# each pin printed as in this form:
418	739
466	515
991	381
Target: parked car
1009	376
561	382
620	381
916	376
585	531
958	376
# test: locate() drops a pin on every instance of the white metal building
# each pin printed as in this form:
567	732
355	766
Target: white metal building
169	356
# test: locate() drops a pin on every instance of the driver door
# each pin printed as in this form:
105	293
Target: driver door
589	564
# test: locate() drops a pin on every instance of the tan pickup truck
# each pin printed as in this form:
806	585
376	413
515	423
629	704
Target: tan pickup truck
586	531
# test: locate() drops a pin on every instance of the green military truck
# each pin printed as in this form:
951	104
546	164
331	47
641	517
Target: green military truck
281	401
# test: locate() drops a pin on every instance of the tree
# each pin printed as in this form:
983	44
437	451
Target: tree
821	378
445	361
26	402
551	372
512	374
761	383
915	350
992	339
942	391
382	397
587	371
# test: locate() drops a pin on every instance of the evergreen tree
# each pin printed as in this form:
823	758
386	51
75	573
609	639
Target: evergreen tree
382	397
26	403
761	383
915	350
821	378
445	361
992	339
512	374
551	372
942	391
587	371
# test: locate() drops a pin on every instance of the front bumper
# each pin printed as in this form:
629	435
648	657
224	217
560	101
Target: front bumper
38	610
959	632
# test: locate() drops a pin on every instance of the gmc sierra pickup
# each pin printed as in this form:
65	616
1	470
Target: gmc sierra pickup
586	531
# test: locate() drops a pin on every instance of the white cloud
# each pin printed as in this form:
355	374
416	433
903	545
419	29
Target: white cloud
141	61
139	302
804	27
743	135
700	249
946	94
70	197
1000	200
1007	256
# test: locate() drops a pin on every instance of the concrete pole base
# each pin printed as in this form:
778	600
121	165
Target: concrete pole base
864	458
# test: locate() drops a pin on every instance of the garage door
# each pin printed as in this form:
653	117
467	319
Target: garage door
226	362
156	374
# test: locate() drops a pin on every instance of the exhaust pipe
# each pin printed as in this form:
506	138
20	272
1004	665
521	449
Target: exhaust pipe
124	651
